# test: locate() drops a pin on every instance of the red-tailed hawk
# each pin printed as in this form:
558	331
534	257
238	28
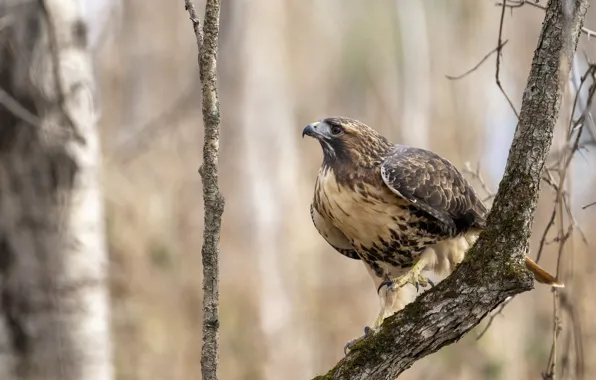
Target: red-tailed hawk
399	209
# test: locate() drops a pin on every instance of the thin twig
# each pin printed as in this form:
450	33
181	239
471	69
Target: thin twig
520	3
196	23
475	174
498	50
552	359
588	205
498	64
17	109
495	50
493	316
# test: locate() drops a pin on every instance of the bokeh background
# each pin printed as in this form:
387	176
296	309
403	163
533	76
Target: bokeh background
289	303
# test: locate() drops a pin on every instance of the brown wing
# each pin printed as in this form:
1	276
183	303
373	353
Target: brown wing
434	185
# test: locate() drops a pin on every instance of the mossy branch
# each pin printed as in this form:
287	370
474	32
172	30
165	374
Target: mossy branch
207	39
494	267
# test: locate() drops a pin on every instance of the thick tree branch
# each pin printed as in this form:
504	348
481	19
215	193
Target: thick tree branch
494	267
207	39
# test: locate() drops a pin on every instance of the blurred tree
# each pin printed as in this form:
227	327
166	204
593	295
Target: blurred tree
54	317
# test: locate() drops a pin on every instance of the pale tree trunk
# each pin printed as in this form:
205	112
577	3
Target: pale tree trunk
411	16
54	317
269	134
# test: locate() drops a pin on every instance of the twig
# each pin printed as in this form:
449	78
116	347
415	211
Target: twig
127	150
552	359
588	205
17	109
196	24
498	64
567	306
207	39
520	3
495	50
498	50
493	316
475	174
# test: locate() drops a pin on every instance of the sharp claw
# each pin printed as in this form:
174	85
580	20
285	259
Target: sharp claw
432	284
417	286
368	331
389	289
385	282
347	348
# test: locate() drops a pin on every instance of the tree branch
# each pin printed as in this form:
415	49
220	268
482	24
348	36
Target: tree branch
494	267
207	39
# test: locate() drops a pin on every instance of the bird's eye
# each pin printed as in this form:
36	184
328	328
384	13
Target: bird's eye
336	130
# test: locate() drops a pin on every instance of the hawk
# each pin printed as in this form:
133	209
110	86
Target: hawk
398	209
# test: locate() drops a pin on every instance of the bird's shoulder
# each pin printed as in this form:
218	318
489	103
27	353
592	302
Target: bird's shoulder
433	184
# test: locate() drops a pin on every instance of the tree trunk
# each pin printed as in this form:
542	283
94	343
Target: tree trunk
272	182
54	317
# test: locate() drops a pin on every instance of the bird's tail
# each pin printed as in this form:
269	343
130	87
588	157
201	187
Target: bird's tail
541	275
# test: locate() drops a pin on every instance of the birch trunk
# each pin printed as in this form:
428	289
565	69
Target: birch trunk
271	160
54	303
411	15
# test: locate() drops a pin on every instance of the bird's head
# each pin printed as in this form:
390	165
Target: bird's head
347	141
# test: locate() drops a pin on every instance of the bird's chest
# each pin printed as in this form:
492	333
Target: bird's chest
370	216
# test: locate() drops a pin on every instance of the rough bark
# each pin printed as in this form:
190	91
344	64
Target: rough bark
493	270
207	39
54	320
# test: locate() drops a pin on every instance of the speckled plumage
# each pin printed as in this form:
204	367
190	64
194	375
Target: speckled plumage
399	209
386	203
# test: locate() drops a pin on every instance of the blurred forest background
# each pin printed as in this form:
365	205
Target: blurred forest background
289	303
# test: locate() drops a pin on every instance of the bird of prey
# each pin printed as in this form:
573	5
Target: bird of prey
399	209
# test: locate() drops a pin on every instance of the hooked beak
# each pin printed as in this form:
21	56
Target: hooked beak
311	130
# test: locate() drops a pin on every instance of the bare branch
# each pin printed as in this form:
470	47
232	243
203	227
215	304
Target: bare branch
535	3
498	50
493	316
495	50
493	269
476	175
498	68
12	105
588	205
207	40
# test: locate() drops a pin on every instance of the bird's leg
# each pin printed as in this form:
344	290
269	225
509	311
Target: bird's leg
412	276
392	303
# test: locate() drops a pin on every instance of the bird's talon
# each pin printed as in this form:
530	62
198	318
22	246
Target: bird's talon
432	284
390	288
368	331
384	283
